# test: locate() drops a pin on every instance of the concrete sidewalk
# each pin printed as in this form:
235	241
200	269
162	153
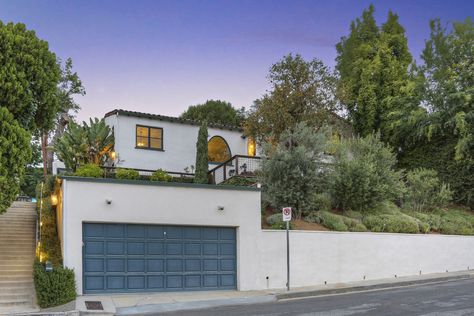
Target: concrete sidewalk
154	303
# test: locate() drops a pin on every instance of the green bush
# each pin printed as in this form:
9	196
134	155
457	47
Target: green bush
399	223
89	171
354	214
240	181
358	228
425	190
276	221
127	174
53	288
333	221
456	222
320	202
364	174
161	175
50	246
313	217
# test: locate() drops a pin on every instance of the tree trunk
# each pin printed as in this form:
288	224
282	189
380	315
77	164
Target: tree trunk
44	152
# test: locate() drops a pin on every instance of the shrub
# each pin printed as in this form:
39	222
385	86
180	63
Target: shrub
313	217
50	247
161	175
456	222
333	221
276	221
425	190
391	223
432	220
320	202
127	174
240	181
53	288
358	228
364	174
89	171
291	169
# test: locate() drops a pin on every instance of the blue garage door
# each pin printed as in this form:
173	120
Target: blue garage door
152	258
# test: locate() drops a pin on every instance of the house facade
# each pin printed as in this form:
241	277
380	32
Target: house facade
151	142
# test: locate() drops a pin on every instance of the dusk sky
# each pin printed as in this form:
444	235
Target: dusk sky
162	56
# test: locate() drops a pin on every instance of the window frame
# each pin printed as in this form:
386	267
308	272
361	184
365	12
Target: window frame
225	141
149	137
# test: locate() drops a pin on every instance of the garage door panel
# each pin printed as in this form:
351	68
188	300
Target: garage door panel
94	265
136	248
138	258
115	231
115	247
115	265
155	265
174	248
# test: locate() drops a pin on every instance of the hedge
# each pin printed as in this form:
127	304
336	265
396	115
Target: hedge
53	288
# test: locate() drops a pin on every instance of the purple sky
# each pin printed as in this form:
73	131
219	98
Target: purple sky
162	56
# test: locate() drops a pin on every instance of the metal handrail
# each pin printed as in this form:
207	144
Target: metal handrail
228	172
231	159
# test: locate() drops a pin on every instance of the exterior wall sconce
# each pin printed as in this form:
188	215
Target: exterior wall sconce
113	155
220	208
108	201
54	199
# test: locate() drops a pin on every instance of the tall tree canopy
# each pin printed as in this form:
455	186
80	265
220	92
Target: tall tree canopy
15	152
29	75
301	91
215	111
374	68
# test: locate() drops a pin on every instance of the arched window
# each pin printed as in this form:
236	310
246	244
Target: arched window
218	150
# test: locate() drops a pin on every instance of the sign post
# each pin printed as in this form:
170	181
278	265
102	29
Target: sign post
286	214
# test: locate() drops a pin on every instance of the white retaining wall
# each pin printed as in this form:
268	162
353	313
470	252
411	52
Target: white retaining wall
337	257
316	257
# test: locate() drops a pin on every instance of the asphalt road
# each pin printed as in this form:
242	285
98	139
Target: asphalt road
455	298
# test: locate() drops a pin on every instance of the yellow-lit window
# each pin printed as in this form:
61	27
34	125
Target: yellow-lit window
149	137
251	147
218	150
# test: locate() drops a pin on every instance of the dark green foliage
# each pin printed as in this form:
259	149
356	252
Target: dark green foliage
240	181
202	166
425	191
29	77
276	221
398	223
333	221
320	202
127	174
301	91
292	171
15	152
33	176
373	64
161	175
50	245
89	171
85	144
215	112
53	288
364	174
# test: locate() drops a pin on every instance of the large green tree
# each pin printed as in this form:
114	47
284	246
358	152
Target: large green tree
15	152
374	68
29	75
202	166
301	91
215	111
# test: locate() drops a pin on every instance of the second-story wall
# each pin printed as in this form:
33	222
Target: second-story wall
179	143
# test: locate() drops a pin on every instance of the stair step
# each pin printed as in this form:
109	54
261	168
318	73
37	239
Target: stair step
16	284
15	302
15	278
17	296
17	273
17	290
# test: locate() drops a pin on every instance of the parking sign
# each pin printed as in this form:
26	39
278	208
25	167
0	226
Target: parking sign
286	214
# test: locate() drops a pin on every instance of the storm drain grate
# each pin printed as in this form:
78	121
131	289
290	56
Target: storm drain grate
94	305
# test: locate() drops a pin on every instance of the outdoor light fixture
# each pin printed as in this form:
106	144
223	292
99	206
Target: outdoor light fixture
54	199
113	155
108	201
48	266
220	208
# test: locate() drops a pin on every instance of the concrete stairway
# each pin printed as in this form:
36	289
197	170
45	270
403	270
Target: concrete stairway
17	252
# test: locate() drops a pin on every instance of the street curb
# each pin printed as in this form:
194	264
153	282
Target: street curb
153	309
361	288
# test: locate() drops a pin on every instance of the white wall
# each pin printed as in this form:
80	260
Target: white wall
155	204
338	257
179	143
316	257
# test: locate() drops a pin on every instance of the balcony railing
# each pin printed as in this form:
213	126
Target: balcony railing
239	165
145	173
